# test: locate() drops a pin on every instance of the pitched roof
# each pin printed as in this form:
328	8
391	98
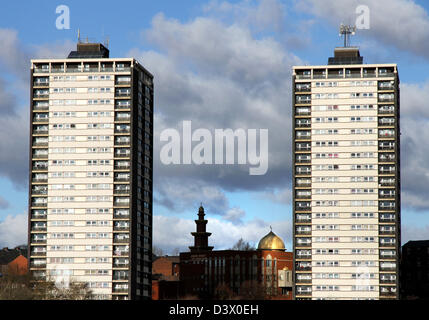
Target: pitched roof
418	243
7	256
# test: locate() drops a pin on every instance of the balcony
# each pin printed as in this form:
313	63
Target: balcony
39	190
303	267
121	239
122	165
121	214
302	206
41	106
41	68
41	95
303	232
385	73
386	206
41	82
302	99
386	170
40	142
387	217
303	135
117	289
37	154
386	109
386	157
122	93
386	85
123	81
387	195
40	165
39	203
387	268
122	177
301	159
38	253
387	133
123	68
40	130
387	281
39	226
122	129
303	242
119	189
387	232
121	226
120	263
353	73
386	98
387	254
303	74
39	240
302	147
369	73
384	244
122	153
303	254
303	124
120	278
390	121
303	170
39	216
122	141
121	253
319	74
303	194
122	105
303	218
303	87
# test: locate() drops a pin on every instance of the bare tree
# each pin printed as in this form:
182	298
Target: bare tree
15	287
24	287
48	290
176	252
157	251
253	290
242	245
223	292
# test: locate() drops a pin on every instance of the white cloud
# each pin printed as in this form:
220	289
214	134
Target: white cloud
220	75
262	14
410	233
400	23
13	230
173	232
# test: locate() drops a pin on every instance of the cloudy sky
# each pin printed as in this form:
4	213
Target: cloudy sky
220	64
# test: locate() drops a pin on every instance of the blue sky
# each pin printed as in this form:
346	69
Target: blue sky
290	31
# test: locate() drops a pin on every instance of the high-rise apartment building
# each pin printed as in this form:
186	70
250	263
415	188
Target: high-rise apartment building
90	195
346	179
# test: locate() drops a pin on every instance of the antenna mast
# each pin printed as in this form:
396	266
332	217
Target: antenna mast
347	31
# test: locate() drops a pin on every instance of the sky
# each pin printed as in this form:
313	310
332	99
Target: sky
220	64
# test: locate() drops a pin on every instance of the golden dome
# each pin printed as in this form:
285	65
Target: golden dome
271	242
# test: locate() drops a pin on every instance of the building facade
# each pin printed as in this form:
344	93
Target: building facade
346	179
13	261
165	278
415	270
265	272
90	195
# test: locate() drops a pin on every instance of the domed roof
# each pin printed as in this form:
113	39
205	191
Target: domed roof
271	242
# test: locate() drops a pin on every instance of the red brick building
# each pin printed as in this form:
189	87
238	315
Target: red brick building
165	278
262	273
13	261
